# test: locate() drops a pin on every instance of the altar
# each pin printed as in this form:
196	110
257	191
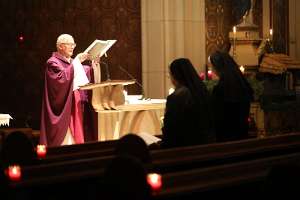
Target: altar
141	116
120	114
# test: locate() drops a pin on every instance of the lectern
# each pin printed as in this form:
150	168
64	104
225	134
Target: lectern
107	95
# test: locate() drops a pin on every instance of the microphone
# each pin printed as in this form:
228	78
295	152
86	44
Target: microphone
106	70
138	83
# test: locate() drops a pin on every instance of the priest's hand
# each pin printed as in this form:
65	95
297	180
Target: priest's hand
96	62
82	56
97	59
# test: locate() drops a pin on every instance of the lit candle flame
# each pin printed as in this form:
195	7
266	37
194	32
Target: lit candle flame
41	150
209	74
271	32
155	181
14	172
242	68
171	90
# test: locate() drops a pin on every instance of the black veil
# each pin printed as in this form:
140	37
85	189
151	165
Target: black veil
236	87
185	74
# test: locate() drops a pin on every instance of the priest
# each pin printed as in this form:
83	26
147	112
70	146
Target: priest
64	106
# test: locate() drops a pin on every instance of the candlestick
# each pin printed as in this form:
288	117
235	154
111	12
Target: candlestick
234	41
271	34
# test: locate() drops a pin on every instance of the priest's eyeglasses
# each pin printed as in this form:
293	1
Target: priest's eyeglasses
73	45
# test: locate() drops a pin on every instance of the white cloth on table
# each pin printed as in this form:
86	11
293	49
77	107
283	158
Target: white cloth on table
4	119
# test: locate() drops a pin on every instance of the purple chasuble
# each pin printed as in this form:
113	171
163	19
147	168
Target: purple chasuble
57	100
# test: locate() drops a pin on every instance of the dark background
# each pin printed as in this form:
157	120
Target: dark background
40	22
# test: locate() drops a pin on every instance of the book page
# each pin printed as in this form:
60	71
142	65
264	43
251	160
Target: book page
148	138
99	48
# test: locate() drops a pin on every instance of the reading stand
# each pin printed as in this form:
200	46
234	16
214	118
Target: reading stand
107	95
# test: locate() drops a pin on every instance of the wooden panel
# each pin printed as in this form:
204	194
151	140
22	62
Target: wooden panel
40	22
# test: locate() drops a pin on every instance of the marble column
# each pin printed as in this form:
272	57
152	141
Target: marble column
170	29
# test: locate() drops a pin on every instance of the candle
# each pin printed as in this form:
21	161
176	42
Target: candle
242	68
234	38
171	90
41	151
14	172
271	32
21	38
155	181
209	74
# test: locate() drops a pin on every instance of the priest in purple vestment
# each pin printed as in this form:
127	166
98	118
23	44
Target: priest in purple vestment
65	108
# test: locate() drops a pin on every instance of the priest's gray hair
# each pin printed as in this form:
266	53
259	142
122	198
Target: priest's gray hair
64	38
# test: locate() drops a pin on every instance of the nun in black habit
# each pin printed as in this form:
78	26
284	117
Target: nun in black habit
231	99
187	119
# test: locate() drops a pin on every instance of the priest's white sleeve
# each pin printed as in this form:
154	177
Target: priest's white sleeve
80	77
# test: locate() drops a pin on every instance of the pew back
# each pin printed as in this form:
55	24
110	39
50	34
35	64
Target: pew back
166	161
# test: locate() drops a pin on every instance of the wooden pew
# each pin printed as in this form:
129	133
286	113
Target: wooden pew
77	148
79	151
220	153
165	157
246	178
229	179
166	161
4	132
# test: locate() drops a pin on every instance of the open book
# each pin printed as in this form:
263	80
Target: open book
99	47
148	138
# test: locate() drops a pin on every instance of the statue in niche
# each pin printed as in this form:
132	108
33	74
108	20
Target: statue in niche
243	13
